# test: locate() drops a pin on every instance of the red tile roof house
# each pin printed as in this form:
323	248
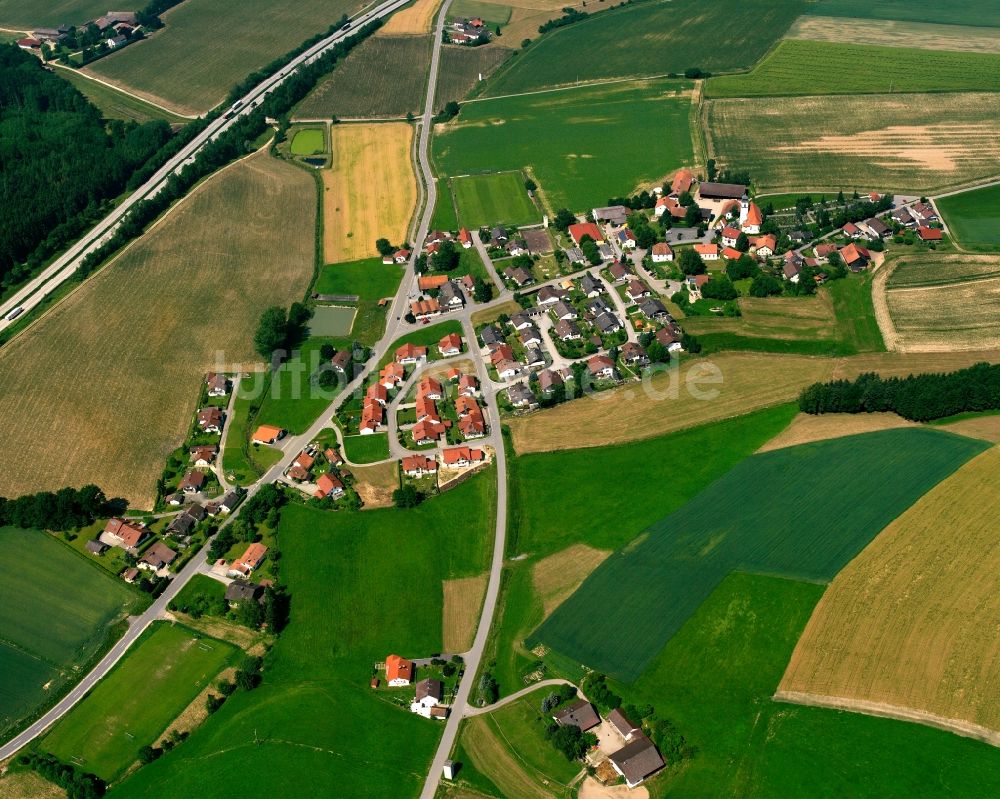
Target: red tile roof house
429	389
419	465
425	309
203	456
460	457
427	432
581	229
328	486
683	178
465	238
852	231
753	220
120	533
930	233
854	257
371	418
426	409
450	345
377	393
410	353
729	236
823	251
468	386
764	246
392	375
399	671
731	253
472	425
661	253
250	560
267	434
708	252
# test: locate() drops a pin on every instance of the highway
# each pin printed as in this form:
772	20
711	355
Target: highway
63	268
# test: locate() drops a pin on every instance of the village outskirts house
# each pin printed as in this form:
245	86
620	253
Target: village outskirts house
399	671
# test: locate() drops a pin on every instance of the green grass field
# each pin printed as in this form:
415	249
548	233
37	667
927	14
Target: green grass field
445	216
582	146
905	143
957	12
197	586
370	280
56	612
366	449
381	593
386	76
492	14
491	199
131	707
115	104
650	39
206	48
809	67
973	217
715	680
29	14
773	513
309	141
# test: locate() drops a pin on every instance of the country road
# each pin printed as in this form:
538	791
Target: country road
65	266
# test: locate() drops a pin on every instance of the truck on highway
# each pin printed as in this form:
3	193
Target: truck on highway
15	313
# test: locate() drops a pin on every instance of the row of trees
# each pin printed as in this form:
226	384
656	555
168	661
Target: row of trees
919	398
281	331
65	509
77	784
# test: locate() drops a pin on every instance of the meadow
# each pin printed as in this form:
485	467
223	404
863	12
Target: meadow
369	191
940	302
29	14
982	13
115	104
715	680
108	409
131	707
308	141
207	47
370	280
908	622
755	518
386	76
294	398
427	336
551	529
650	39
460	68
798	67
581	146
903	143
50	630
973	217
493	14
491	199
445	217
384	589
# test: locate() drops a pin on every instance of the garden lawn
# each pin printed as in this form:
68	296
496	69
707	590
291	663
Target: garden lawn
773	513
366	449
715	679
381	593
650	39
973	217
309	141
137	701
810	67
493	199
56	612
582	146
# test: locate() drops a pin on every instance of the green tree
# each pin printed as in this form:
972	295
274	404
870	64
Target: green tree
742	242
657	352
690	262
481	290
384	247
590	250
563	219
530	185
407	496
765	286
692	217
446	258
719	287
272	332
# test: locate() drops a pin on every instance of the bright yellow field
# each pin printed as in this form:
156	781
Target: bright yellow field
417	18
750	381
102	388
896	33
911	622
806	428
463	599
370	191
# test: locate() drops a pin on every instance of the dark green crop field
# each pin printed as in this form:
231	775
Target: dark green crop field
974	217
984	13
801	512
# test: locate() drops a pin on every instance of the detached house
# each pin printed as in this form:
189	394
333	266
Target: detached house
411	354
218	385
708	252
210	420
661	253
637	290
520	396
637	760
602	367
854	257
249	560
120	533
450	345
399	671
419	465
267	434
328	486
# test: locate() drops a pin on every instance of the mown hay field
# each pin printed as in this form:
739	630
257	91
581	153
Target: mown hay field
463	600
806	428
582	146
113	372
749	381
983	13
492	199
460	68
756	518
911	143
973	217
650	39
797	67
385	77
945	302
785	318
414	19
207	46
50	626
369	191
911	622
897	33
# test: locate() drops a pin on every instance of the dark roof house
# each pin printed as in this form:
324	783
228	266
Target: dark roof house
580	714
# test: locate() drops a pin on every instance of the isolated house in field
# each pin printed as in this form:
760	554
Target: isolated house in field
399	671
637	760
267	434
580	714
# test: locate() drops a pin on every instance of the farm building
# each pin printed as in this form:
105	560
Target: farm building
580	714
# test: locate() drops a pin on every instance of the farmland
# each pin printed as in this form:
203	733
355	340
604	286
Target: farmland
461	67
715	679
370	280
958	12
908	623
370	190
578	158
104	732
115	104
383	77
491	199
28	14
493	14
939	302
662	37
108	409
463	601
207	47
897	33
807	427
809	67
895	142
316	676
751	519
418	17
564	539
973	217
50	627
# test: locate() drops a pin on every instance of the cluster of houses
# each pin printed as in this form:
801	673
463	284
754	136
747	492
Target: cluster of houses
428	693
462	457
115	28
429	427
329	483
468	31
623	745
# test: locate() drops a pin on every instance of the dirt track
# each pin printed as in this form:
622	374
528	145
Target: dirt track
881	305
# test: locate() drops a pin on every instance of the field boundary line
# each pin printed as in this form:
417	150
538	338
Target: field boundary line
127	93
582	85
966	729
